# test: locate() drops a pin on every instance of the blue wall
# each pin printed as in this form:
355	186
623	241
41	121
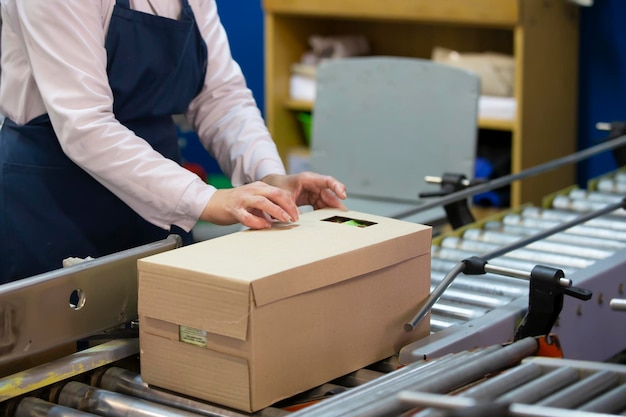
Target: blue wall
243	20
602	79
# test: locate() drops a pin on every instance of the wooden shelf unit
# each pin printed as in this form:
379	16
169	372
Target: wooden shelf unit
542	35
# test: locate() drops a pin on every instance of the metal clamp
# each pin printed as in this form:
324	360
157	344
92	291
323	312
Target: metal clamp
457	212
548	287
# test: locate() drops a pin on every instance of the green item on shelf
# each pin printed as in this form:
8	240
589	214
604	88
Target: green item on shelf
306	120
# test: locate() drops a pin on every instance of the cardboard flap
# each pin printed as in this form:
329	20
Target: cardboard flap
222	306
334	269
329	246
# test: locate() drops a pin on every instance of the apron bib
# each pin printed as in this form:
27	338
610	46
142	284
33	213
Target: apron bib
51	208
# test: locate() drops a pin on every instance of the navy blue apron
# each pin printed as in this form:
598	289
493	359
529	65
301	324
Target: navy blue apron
52	209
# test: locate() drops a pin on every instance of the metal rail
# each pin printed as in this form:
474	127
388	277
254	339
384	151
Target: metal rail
507	179
76	297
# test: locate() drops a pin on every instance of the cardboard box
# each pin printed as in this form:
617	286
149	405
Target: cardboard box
247	319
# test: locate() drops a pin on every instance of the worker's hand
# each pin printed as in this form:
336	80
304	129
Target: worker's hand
309	188
254	205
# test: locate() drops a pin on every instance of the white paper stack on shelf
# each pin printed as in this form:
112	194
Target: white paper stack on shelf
501	108
302	87
302	82
497	75
496	71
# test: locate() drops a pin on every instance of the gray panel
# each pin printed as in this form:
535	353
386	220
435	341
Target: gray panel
382	124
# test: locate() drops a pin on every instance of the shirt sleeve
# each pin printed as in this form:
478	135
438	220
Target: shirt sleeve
64	44
225	114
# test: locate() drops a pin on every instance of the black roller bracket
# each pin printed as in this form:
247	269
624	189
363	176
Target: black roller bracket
615	129
458	212
546	301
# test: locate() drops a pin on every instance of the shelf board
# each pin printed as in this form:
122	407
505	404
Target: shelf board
495	124
299	105
501	13
483	123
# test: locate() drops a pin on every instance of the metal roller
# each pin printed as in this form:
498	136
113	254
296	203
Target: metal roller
129	383
504	382
581	230
580	194
490	284
526	219
35	407
378	400
582	391
504	261
610	185
531	255
612	401
565	237
390	383
494	387
620	176
111	404
575	249
447	313
466	302
387	385
582	205
618	304
474	298
440	264
437	324
467	407
359	377
541	387
604	222
25	382
461	311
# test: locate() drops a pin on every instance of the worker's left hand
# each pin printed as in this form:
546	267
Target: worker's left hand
308	188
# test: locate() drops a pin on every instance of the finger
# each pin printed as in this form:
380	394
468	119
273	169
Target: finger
328	198
279	204
275	202
328	182
339	189
253	219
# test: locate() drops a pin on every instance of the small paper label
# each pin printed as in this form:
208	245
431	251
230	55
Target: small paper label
193	336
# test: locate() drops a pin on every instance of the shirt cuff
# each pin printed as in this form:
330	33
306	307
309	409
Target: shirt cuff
269	166
192	204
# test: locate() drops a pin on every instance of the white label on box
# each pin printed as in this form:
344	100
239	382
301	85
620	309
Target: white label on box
192	336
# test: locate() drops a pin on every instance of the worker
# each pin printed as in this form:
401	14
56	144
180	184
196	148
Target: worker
89	158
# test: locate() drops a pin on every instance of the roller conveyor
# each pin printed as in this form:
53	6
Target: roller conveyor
591	255
464	364
490	380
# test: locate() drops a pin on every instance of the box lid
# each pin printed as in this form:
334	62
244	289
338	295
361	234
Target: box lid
324	247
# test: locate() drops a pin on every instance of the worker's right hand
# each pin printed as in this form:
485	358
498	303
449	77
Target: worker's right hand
254	205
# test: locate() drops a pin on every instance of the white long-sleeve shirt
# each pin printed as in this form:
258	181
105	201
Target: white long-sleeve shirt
54	61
